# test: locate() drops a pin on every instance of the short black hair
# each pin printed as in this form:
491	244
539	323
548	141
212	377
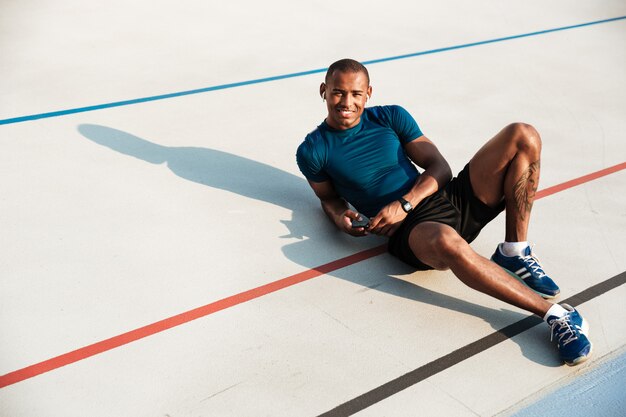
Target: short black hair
347	65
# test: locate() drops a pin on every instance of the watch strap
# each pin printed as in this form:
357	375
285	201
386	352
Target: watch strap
406	206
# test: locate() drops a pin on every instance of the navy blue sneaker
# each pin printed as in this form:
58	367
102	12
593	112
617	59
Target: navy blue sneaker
571	334
528	270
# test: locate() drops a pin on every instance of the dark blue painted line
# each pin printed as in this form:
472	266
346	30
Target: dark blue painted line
388	389
506	38
292	75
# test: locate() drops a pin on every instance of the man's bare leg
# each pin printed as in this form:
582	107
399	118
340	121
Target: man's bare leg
508	166
441	247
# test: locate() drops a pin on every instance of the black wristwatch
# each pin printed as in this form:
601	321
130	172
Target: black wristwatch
406	206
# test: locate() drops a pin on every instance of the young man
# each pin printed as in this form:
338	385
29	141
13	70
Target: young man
366	157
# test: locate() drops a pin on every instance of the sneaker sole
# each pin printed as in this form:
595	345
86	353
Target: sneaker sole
517	277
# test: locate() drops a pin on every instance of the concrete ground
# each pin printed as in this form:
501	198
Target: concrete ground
163	256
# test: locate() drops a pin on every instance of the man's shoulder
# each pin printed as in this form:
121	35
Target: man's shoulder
396	118
313	140
386	115
311	155
317	132
315	136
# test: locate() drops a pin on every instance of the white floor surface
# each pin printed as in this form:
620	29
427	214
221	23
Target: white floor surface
118	217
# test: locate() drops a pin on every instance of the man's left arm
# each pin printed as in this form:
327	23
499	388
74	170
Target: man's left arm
436	173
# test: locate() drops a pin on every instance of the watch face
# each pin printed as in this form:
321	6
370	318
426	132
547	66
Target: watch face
406	206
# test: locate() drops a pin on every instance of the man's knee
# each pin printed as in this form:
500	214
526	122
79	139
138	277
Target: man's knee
440	247
525	137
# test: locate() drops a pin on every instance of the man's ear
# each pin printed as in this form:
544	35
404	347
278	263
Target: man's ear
323	91
369	92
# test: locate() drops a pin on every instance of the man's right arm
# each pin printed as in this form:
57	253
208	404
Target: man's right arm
336	208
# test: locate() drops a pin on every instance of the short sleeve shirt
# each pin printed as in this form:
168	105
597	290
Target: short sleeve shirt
366	163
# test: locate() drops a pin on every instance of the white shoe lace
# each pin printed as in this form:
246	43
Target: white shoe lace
565	330
533	263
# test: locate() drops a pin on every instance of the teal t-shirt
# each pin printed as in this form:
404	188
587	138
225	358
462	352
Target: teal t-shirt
367	163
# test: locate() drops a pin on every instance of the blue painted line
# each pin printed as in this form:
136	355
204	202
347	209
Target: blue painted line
506	38
292	75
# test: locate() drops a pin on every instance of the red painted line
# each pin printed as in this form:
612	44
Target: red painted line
578	181
168	323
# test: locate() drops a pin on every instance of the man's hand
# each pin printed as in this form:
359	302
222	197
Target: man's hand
336	208
387	221
436	174
344	222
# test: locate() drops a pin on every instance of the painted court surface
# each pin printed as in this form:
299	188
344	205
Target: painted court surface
163	256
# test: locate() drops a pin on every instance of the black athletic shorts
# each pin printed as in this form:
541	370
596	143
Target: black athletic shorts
454	205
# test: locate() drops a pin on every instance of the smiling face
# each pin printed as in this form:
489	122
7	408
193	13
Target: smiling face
346	93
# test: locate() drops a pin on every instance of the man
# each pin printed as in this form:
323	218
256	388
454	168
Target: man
366	157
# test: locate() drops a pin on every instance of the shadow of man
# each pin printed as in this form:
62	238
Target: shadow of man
263	182
213	168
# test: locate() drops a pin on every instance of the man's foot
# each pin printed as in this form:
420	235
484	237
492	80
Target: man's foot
527	269
571	333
